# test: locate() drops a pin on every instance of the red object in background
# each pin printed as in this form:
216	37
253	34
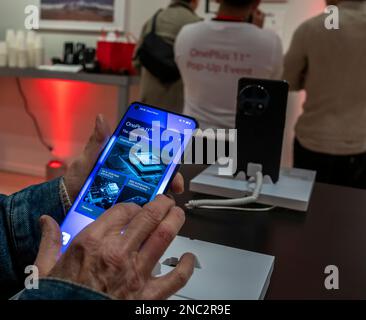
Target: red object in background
55	164
116	56
55	169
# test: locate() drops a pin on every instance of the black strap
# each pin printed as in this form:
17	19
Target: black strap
181	4
155	18
173	5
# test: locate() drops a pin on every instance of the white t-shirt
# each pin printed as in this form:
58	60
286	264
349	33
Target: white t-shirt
212	56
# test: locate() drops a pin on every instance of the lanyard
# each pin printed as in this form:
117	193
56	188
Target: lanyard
228	18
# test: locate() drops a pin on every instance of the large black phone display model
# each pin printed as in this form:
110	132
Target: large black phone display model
260	121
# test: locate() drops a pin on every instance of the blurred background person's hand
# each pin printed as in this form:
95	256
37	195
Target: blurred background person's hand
258	18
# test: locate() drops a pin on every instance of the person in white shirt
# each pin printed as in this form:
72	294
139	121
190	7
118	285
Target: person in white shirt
213	55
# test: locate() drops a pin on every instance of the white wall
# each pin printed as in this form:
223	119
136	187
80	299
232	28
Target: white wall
12	16
19	147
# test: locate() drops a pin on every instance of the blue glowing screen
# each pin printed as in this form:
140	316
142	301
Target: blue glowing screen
123	176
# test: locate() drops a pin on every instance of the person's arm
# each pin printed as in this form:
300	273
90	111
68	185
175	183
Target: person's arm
56	289
19	242
20	213
296	61
20	230
63	282
20	218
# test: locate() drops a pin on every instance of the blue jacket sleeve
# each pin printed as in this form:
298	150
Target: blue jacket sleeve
54	289
20	231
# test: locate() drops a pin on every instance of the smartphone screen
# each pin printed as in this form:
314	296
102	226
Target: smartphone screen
137	164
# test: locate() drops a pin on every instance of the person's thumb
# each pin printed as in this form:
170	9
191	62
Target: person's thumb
97	141
50	246
81	167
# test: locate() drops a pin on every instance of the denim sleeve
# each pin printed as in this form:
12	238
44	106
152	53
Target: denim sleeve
20	231
54	289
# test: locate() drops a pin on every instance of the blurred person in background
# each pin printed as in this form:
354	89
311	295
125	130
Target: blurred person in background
213	55
169	22
330	66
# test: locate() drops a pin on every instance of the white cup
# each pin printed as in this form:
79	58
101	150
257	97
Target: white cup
3	47
38	57
3	54
38	51
30	42
22	59
12	57
31	36
10	38
38	42
20	40
21	50
111	37
12	48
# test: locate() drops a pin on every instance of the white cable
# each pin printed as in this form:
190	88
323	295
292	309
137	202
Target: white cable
228	204
239	209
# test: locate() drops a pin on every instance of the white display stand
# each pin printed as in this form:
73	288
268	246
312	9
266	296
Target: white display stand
221	273
292	191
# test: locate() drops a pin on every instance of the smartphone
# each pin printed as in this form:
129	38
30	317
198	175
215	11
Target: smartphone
260	121
137	164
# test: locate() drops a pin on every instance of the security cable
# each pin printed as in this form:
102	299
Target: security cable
233	204
32	116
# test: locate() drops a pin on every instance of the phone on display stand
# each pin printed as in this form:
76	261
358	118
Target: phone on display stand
260	121
137	164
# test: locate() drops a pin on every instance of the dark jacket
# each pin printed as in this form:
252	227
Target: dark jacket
169	23
19	242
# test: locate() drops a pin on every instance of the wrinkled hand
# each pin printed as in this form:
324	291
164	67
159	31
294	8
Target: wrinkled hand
120	265
82	166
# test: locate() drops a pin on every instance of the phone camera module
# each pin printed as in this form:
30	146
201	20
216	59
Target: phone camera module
253	100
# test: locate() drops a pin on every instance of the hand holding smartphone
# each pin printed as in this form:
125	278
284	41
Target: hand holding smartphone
137	164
